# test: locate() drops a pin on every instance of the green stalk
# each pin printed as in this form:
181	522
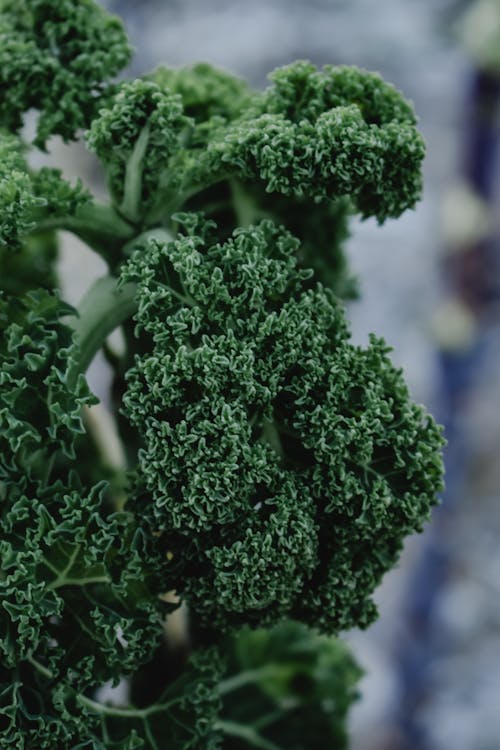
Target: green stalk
247	677
245	207
98	225
132	193
105	306
128	713
245	733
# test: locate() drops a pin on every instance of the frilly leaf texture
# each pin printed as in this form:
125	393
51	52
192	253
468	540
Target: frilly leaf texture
281	466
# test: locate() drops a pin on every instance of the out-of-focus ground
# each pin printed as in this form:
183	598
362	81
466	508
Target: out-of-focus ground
412	45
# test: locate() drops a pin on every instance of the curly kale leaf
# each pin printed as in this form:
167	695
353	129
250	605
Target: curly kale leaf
39	407
32	267
76	612
69	568
314	136
57	56
206	92
312	149
79	585
27	196
302	92
58	196
322	229
185	713
154	132
325	134
135	138
281	688
288	687
18	201
281	466
38	712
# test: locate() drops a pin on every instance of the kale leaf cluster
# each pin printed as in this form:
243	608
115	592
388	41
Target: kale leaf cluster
281	465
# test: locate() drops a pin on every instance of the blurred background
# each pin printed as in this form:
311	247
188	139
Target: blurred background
430	285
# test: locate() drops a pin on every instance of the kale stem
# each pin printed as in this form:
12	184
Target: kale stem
98	225
244	678
102	309
167	207
107	305
132	713
39	667
59	583
244	206
246	733
132	192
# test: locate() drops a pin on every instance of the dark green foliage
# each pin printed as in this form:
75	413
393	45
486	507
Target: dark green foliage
282	466
313	137
68	566
42	711
57	56
26	197
76	581
76	611
291	686
135	139
32	267
328	134
206	92
17	199
185	714
273	467
281	688
154	132
322	229
39	409
57	196
302	92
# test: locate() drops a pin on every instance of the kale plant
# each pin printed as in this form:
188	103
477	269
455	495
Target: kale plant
273	468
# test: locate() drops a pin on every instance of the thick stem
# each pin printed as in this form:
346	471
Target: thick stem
100	226
132	193
166	207
102	309
245	207
247	677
